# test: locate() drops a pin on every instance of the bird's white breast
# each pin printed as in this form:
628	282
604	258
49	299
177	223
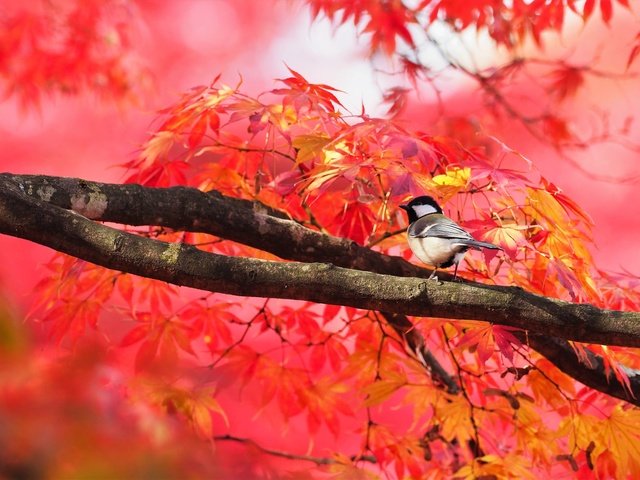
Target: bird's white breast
435	251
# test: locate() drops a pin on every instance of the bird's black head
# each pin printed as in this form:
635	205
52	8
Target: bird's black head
421	206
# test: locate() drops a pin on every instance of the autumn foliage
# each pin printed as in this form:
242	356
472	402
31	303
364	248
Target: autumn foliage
165	380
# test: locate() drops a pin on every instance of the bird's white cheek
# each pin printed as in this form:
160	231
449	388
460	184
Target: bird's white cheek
422	210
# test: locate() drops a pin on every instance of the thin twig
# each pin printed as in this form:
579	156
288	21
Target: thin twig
291	456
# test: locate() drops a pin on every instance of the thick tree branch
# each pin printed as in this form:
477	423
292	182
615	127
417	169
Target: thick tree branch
189	209
37	220
561	354
27	210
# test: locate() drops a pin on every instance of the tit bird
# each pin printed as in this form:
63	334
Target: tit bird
435	239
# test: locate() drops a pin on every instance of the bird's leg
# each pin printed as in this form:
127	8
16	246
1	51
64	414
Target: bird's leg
433	275
455	271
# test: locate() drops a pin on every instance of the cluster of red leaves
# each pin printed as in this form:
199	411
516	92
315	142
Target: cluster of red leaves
509	23
69	46
401	31
295	148
291	146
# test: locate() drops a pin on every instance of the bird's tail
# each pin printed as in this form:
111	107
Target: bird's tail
478	245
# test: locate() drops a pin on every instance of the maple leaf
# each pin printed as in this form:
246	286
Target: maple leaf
635	50
303	318
332	349
389	448
211	322
451	182
324	401
396	97
616	444
198	131
75	294
213	175
300	90
355	221
453	419
500	177
309	147
479	340
124	285
570	206
160	336
532	434
606	9
566	81
494	466
510	236
158	294
557	129
380	390
389	20
552	386
197	405
612	364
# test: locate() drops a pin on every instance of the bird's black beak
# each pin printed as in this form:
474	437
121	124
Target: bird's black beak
405	207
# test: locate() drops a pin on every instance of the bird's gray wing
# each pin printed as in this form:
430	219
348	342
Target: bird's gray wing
438	226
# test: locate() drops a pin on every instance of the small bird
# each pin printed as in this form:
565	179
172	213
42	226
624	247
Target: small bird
436	239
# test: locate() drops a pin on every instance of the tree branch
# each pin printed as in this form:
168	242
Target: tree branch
415	342
560	353
27	210
188	209
291	456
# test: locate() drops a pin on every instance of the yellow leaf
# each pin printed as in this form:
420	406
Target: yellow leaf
620	432
283	116
550	385
380	390
216	176
196	405
456	177
533	435
309	147
615	440
421	398
338	152
158	146
451	182
202	421
493	466
454	417
213	99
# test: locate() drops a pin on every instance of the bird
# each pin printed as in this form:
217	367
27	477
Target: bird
436	239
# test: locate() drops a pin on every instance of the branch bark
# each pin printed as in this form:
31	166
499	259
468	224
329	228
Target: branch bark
188	209
594	375
38	208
